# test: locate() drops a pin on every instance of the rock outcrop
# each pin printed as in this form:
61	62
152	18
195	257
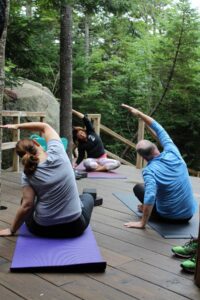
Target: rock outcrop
32	96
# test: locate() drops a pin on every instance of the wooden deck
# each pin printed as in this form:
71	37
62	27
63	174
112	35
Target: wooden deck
139	262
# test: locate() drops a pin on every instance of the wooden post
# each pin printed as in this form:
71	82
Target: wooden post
139	159
96	120
16	137
42	119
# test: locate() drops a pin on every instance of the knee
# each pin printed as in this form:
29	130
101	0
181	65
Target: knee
112	164
138	189
87	198
118	164
90	164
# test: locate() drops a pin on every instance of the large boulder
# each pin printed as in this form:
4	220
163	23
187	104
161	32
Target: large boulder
28	96
32	96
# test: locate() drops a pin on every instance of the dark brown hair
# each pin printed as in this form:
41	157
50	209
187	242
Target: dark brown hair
75	130
27	150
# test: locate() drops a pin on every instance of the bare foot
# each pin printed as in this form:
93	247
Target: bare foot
101	169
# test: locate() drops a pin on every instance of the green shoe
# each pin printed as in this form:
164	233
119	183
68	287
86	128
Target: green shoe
189	265
187	250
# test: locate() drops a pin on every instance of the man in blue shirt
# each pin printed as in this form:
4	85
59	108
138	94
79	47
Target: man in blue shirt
166	193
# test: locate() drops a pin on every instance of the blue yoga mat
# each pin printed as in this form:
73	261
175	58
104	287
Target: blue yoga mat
166	230
37	254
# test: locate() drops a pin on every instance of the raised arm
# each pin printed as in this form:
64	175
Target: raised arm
136	112
158	131
85	119
78	114
47	131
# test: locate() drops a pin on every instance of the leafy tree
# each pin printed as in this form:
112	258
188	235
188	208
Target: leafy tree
4	13
144	53
32	44
179	73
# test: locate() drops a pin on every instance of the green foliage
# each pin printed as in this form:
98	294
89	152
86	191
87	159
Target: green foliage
32	46
143	53
10	79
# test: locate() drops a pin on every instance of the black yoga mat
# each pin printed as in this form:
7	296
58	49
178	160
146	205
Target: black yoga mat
166	230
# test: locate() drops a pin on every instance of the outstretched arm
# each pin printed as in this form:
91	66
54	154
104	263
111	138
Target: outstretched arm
146	209
86	121
47	131
22	212
158	131
136	112
78	114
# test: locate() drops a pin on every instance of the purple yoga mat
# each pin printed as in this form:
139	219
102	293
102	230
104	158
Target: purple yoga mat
101	175
39	254
105	175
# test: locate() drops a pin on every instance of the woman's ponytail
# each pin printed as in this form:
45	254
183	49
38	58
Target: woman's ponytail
27	150
30	163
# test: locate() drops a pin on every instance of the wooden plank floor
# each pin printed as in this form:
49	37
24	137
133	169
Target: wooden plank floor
140	263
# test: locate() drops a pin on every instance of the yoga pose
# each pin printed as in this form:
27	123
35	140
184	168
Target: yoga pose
166	193
90	143
50	206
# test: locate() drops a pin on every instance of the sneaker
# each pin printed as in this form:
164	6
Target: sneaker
189	265
187	250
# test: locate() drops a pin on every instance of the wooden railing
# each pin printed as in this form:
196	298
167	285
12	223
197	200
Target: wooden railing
16	119
96	119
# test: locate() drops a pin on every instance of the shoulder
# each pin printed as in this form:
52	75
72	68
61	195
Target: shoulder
54	145
55	149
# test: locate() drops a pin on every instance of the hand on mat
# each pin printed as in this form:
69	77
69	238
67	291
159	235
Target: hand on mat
6	232
134	225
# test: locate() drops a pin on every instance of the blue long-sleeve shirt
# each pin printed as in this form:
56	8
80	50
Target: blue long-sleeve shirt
167	182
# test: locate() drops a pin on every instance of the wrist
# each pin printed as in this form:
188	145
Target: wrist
143	224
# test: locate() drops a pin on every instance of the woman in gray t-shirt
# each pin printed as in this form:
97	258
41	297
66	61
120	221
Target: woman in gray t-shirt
50	205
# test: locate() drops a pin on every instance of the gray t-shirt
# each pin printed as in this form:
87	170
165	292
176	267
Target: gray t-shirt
55	187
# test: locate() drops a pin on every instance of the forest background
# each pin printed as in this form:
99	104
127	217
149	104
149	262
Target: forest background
145	53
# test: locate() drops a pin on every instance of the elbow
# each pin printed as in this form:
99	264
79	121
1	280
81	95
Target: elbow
46	126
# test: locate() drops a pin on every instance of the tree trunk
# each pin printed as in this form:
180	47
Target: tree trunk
87	42
4	13
29	8
66	76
